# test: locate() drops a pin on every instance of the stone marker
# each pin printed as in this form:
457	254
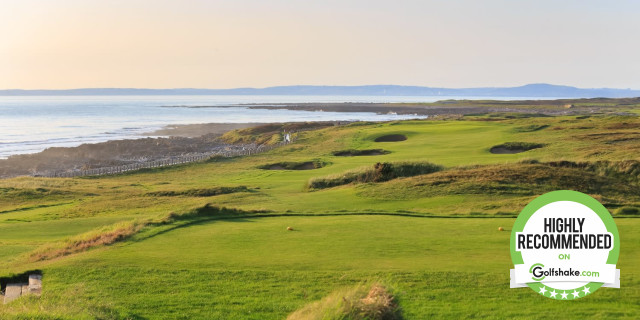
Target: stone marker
12	292
35	284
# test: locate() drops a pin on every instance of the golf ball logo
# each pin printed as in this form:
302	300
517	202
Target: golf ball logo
565	245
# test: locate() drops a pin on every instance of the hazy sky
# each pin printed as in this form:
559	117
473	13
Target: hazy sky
59	44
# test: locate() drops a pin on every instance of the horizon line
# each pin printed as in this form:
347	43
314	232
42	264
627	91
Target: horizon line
321	85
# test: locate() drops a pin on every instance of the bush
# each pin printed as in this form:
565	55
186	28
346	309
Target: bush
308	165
208	211
208	192
381	171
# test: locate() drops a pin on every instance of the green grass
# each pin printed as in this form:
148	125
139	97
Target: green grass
380	172
207	192
253	268
432	237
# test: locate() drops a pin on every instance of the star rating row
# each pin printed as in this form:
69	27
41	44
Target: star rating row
564	294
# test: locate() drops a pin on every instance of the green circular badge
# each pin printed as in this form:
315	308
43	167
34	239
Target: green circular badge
565	245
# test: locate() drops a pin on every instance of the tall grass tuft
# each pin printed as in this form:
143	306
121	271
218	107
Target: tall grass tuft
100	237
360	302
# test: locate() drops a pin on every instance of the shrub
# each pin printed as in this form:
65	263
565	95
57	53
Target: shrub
381	171
308	165
208	211
208	192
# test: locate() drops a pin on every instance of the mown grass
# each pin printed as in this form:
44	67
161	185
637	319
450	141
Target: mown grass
241	263
109	235
253	268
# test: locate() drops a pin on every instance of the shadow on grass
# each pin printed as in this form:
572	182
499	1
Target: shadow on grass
17	278
36	207
199	216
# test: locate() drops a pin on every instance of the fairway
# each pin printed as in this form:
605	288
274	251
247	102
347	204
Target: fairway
158	244
254	268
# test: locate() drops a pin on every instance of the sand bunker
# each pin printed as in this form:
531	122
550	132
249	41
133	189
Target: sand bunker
391	138
355	153
309	165
514	147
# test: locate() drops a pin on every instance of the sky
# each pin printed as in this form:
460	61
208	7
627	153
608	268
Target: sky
63	44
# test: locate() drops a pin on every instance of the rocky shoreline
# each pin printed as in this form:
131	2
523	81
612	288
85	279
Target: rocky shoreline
118	153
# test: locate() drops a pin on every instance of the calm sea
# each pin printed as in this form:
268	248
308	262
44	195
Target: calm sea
32	124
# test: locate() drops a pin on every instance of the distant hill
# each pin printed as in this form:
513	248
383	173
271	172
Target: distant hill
530	90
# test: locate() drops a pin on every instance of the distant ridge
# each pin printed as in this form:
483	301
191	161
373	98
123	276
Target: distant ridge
529	90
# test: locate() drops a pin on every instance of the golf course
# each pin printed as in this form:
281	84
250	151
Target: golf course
309	229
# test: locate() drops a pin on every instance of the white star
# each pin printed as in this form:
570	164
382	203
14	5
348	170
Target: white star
553	293
586	290
576	293
564	295
542	290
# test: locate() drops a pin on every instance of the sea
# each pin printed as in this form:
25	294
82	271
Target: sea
30	124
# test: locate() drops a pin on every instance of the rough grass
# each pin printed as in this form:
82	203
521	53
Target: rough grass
206	192
381	171
289	165
614	183
627	170
372	302
531	128
31	193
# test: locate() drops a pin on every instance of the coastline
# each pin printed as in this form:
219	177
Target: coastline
178	140
198	129
447	107
169	143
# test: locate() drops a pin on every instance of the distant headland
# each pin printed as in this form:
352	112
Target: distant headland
529	90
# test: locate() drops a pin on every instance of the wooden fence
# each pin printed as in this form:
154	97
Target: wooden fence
245	151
